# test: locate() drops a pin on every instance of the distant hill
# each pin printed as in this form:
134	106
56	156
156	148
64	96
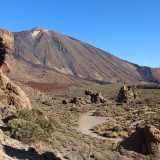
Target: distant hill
57	53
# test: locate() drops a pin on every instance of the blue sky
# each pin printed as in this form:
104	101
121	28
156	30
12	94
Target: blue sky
128	29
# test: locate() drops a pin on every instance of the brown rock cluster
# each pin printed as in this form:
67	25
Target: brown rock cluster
10	94
96	97
127	94
90	97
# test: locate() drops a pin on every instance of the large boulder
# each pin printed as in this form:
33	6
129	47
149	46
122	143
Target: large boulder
127	94
10	94
152	139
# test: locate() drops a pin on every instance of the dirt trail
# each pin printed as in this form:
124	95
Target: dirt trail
87	121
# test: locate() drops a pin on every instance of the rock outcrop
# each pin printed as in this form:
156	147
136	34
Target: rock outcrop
127	94
10	94
6	50
145	140
90	97
152	139
96	97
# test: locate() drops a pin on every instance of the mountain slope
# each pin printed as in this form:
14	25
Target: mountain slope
51	50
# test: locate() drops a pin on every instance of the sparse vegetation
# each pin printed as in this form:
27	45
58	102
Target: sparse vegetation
28	128
64	118
25	114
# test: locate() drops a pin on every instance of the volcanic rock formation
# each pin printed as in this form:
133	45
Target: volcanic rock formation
90	97
6	49
152	138
145	140
10	94
127	94
96	97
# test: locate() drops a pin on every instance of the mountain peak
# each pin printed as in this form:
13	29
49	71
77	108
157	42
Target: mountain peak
37	29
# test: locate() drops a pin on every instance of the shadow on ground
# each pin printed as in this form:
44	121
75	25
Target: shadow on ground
31	154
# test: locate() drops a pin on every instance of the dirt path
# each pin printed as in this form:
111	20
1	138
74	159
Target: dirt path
87	121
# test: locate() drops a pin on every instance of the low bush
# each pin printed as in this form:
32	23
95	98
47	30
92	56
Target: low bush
46	125
31	125
47	103
75	109
25	131
25	114
118	128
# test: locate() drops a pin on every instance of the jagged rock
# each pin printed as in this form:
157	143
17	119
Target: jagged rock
152	138
6	50
90	97
127	94
96	97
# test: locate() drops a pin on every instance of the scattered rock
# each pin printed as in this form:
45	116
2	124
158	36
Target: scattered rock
127	94
64	102
80	100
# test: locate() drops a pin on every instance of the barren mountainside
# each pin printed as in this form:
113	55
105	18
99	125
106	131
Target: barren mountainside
50	50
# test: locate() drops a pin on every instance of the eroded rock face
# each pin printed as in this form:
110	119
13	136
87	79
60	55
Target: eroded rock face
10	94
145	140
127	94
152	139
6	50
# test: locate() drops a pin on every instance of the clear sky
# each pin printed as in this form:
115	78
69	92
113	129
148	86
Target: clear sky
128	29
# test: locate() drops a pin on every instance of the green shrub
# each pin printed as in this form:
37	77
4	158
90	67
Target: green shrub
37	112
25	131
75	109
25	114
47	103
46	125
118	128
42	122
55	122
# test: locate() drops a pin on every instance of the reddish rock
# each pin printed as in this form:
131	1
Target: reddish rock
127	94
10	94
6	50
152	139
96	97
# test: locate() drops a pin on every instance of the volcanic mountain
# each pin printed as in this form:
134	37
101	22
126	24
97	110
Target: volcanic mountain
48	50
